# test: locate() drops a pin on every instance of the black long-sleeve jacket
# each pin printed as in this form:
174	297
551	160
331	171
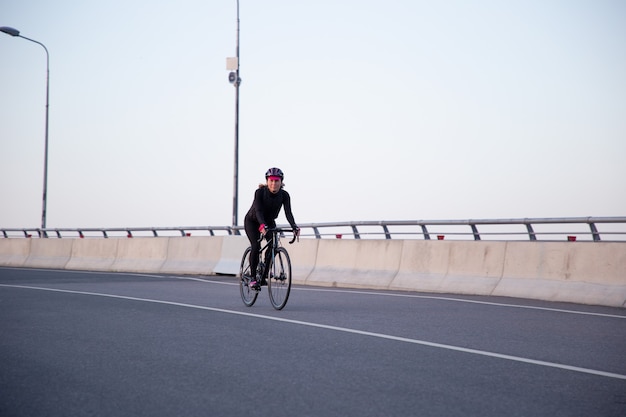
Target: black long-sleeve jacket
266	207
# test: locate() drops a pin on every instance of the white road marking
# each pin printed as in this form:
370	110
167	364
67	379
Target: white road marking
352	291
341	329
463	300
427	297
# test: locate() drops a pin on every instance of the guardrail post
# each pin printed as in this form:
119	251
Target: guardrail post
531	232
425	232
356	232
594	232
387	234
317	233
475	232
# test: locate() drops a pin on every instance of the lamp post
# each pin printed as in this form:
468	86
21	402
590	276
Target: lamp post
232	64
15	32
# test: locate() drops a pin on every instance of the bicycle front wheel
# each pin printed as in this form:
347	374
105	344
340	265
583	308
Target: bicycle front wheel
279	278
248	295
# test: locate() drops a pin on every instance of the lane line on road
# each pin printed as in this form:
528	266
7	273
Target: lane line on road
463	300
356	291
424	297
340	329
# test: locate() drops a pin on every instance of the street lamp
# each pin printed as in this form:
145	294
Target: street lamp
15	32
232	65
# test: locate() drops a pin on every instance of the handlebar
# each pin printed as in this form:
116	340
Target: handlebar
296	234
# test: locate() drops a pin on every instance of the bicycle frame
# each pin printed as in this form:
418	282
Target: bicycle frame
274	242
274	268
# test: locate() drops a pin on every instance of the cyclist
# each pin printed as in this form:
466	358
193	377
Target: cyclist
268	200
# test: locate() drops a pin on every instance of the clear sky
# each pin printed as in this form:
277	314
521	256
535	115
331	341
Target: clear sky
375	110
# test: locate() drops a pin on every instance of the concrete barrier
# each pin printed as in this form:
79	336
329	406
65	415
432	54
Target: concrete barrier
49	253
192	255
14	252
231	253
423	266
356	263
334	258
581	272
303	255
462	267
92	254
140	254
473	267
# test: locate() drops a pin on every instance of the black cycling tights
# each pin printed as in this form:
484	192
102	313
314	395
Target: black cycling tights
252	230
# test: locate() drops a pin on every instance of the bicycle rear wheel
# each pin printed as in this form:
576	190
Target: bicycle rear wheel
279	278
248	295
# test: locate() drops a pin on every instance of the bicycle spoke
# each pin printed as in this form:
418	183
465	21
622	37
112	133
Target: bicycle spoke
248	295
279	279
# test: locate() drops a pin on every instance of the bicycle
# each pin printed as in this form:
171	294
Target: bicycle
278	267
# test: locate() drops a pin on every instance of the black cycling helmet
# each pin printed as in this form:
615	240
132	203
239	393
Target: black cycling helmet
274	172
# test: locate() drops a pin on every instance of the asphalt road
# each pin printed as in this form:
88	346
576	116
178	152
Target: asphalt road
103	344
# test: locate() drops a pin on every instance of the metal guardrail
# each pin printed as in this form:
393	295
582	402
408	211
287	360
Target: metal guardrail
499	229
571	228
